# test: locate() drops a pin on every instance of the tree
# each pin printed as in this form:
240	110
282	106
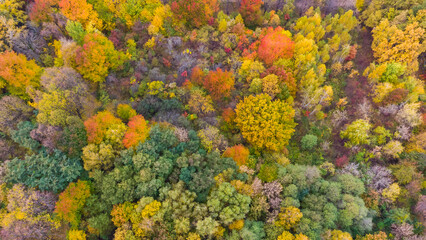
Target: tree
238	153
251	12
131	11
81	11
99	125
17	73
226	204
28	213
211	139
12	22
125	112
309	141
358	133
194	13
258	117
71	202
391	44
96	57
12	111
288	217
219	83
41	10
274	45
137	132
46	172
200	104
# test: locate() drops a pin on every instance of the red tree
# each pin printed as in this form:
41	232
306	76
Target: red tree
276	44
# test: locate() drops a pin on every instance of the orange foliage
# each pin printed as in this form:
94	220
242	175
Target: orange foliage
276	44
71	201
137	133
97	126
17	73
197	76
238	153
80	10
219	83
121	213
228	115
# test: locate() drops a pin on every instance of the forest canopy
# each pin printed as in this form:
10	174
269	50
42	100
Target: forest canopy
212	119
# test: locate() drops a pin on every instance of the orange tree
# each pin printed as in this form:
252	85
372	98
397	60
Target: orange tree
238	153
137	132
266	124
98	125
274	45
17	73
80	10
219	83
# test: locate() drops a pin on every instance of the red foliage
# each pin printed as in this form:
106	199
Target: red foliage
276	44
195	13
197	76
41	10
137	133
219	83
342	161
97	125
250	11
238	153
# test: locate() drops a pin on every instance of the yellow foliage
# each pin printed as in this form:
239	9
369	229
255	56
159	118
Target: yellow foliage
288	217
392	192
150	43
76	235
391	44
193	236
251	69
151	209
238	225
155	87
286	236
265	123
381	90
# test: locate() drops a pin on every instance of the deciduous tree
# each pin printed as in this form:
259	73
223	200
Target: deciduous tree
17	73
258	117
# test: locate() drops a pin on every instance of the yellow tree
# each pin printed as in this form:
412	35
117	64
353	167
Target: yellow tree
391	44
266	124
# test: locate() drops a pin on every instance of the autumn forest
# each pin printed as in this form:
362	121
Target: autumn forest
212	119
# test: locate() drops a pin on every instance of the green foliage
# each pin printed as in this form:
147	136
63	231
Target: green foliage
226	204
22	135
309	141
46	172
